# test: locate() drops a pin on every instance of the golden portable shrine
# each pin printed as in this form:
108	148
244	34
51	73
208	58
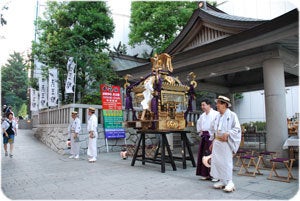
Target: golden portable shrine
165	100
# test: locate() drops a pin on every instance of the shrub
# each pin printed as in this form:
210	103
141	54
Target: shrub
255	126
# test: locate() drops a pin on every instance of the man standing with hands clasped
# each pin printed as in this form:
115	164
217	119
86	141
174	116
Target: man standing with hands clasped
226	141
74	129
204	124
93	135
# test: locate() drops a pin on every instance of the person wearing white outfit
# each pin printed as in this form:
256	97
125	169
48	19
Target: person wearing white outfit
204	124
93	135
226	141
73	130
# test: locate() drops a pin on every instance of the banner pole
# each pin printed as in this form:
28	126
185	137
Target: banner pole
106	145
74	82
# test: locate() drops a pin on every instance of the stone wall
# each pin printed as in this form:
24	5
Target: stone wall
50	126
55	137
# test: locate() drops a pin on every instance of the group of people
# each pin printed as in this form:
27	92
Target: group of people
220	133
9	130
74	130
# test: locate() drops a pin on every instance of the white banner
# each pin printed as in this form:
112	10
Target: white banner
38	66
71	75
34	98
53	88
43	93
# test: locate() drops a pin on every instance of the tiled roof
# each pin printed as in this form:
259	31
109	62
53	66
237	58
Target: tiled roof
119	64
230	17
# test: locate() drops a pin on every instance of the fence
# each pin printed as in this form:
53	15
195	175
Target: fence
50	127
62	115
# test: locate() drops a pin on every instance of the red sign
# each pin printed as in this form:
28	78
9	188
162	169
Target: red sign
111	97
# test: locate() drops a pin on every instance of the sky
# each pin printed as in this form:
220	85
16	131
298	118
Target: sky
19	31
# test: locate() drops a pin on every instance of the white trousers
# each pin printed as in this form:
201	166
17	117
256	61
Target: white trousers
75	146
92	147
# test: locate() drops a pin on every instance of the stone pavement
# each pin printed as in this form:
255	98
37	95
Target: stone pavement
36	172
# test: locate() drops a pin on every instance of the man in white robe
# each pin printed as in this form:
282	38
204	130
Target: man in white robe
204	124
92	125
226	141
74	130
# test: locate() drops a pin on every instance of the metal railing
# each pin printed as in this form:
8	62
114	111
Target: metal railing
256	140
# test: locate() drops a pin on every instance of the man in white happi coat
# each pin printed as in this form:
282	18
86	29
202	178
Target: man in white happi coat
226	141
74	130
93	135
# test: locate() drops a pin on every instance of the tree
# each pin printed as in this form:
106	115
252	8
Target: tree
2	19
14	82
80	30
23	111
158	23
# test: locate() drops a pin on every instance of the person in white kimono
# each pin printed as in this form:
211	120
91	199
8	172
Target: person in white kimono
74	130
93	135
204	124
226	141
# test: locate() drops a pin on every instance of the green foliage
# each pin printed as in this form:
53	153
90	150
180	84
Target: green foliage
255	126
92	98
205	95
238	96
158	23
14	82
23	111
81	30
2	19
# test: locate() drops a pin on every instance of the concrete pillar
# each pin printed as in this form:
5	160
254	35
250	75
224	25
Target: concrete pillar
231	97
274	84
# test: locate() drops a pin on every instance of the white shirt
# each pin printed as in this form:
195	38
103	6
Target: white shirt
92	123
75	126
204	123
5	124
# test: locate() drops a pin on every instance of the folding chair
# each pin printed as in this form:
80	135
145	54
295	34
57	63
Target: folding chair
130	149
267	155
288	163
244	169
239	153
150	149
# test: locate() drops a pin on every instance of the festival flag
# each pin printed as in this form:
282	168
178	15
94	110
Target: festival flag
38	66
53	88
43	93
71	75
34	96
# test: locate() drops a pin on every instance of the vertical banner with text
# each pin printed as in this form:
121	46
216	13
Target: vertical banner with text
34	98
112	111
43	92
53	88
69	87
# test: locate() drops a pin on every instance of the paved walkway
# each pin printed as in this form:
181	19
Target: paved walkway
36	172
